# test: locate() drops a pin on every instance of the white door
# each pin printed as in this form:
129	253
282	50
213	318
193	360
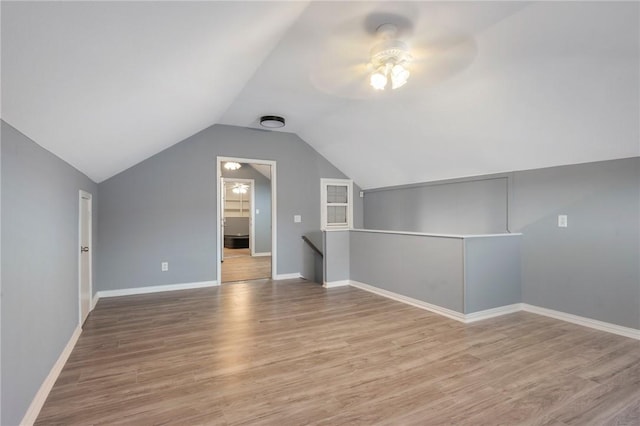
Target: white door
222	219
85	251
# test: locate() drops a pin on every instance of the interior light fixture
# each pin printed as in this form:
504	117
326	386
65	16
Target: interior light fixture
379	79
272	121
240	188
389	59
399	76
232	165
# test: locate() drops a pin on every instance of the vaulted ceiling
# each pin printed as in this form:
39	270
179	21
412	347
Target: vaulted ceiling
495	86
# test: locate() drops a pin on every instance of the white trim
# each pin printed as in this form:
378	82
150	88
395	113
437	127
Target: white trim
493	312
41	396
153	289
512	234
586	322
409	301
252	219
324	182
332	284
87	196
264	254
632	333
464	276
94	301
423	234
274	212
288	276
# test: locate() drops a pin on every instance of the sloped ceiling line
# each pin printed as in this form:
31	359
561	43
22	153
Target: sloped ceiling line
496	86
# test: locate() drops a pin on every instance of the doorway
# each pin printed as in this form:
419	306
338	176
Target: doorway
84	257
247	219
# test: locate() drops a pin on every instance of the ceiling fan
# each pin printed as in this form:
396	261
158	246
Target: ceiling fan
390	58
362	57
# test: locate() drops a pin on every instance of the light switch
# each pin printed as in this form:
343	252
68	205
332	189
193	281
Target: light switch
257	211
562	220
297	218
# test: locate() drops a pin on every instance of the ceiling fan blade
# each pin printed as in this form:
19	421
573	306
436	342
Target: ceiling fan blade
442	59
342	68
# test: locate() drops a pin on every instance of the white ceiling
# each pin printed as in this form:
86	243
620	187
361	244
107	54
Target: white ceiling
496	86
105	85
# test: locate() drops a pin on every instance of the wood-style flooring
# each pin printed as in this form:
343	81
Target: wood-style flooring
292	353
239	265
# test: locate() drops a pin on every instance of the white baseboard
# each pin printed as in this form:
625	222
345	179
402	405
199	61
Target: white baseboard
41	396
94	301
332	284
587	322
267	253
493	312
409	300
503	310
288	276
153	289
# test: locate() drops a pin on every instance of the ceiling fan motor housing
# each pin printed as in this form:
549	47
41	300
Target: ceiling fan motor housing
394	51
389	50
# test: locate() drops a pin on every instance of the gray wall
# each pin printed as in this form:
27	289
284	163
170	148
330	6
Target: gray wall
39	265
335	247
164	209
448	207
263	219
1	275
589	268
262	202
491	272
424	268
358	207
466	275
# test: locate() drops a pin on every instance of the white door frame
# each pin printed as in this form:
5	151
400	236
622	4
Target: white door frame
252	200
274	217
85	195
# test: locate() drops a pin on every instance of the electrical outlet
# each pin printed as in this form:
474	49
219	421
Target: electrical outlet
164	266
297	218
562	220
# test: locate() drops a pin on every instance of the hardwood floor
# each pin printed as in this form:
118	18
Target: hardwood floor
292	352
239	265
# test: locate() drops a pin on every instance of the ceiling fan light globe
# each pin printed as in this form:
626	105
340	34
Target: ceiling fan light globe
399	76
378	81
398	70
396	84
